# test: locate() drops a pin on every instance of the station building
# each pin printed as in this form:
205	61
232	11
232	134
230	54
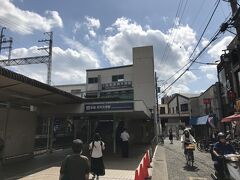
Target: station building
117	97
34	115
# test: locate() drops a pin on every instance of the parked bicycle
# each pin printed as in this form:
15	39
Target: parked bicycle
236	144
204	145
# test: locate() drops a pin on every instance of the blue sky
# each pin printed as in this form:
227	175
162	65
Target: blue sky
93	34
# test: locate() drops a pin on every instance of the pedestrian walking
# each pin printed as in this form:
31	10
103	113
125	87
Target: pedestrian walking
170	134
75	166
125	146
96	148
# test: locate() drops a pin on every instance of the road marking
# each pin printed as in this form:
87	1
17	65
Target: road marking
197	178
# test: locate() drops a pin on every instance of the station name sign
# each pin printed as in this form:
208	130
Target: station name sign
108	107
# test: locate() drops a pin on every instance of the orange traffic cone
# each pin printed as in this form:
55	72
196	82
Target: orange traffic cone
136	175
145	168
141	175
148	159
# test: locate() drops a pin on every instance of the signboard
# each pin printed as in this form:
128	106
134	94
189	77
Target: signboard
109	107
117	85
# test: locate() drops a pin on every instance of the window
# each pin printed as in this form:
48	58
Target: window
173	110
116	78
92	80
162	110
184	107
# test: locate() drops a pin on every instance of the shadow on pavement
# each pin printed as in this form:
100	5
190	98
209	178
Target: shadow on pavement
46	161
191	168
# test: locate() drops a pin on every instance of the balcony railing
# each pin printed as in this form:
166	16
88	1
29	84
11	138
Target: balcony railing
117	85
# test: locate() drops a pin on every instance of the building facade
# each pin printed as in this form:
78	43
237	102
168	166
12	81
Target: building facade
118	97
175	112
206	111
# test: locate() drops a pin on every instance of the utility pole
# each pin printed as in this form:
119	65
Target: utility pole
158	123
49	51
235	16
46	59
1	38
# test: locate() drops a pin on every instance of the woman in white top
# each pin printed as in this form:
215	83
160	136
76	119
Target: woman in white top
96	148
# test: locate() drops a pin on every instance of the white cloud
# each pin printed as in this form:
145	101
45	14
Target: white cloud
25	22
126	34
211	77
216	50
88	27
210	71
204	42
76	28
165	19
69	65
92	23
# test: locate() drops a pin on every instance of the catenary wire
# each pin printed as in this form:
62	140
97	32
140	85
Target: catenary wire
189	59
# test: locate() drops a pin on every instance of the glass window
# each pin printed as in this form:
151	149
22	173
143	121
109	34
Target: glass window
184	107
92	80
116	78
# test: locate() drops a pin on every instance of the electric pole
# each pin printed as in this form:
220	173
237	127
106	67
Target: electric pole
1	38
5	41
46	59
235	16
158	123
49	51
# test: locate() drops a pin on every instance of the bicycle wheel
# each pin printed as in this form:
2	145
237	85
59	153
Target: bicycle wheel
199	145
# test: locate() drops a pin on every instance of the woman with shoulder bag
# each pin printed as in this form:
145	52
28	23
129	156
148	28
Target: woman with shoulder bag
96	148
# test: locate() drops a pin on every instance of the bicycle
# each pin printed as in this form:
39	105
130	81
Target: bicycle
190	156
204	145
236	144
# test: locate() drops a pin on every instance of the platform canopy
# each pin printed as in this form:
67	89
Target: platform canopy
234	117
21	90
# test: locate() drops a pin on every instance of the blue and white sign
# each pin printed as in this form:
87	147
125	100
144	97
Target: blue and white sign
109	107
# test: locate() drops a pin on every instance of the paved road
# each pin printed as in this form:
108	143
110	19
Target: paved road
176	164
46	167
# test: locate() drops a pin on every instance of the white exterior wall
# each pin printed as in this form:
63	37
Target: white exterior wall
143	75
173	104
106	76
70	87
181	100
165	106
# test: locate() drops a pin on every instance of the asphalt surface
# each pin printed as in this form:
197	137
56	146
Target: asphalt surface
177	168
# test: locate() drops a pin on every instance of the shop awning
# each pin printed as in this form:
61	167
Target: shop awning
202	120
234	117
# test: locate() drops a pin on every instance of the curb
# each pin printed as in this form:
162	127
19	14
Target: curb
159	164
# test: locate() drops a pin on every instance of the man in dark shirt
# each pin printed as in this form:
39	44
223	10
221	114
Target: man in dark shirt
75	166
220	149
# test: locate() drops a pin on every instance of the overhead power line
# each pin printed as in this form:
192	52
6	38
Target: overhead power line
192	61
189	59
